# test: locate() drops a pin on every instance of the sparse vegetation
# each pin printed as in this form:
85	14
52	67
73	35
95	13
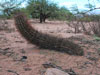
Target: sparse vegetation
97	38
67	36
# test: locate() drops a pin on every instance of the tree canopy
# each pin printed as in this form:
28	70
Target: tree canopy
44	9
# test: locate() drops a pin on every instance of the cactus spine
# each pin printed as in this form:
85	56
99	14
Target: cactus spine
44	40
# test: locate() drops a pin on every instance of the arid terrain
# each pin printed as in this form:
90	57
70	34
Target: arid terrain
19	57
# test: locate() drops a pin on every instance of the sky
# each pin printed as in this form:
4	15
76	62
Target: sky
80	4
69	3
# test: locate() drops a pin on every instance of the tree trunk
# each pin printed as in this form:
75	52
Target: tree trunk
41	18
44	19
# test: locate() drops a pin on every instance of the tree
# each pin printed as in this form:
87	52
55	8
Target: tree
8	6
91	6
41	9
61	14
75	9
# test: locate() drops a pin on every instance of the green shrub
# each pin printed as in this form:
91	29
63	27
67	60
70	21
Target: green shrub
97	38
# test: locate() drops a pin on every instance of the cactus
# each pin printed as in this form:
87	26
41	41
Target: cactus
45	41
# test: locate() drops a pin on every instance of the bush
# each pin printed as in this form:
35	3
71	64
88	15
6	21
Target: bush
97	38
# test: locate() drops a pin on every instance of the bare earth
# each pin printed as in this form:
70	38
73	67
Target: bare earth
13	47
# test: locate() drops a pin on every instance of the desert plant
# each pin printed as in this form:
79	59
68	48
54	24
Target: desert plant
44	40
88	24
97	38
95	26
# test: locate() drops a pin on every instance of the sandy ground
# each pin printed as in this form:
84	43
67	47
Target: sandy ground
13	47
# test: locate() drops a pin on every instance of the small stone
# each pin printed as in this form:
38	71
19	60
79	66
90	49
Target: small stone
69	31
49	65
27	69
23	51
54	71
12	71
6	49
0	68
23	58
70	72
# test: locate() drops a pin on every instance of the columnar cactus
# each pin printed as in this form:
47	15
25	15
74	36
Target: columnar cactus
44	40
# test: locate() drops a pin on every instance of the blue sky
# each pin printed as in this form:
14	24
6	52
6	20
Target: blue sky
69	3
79	3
